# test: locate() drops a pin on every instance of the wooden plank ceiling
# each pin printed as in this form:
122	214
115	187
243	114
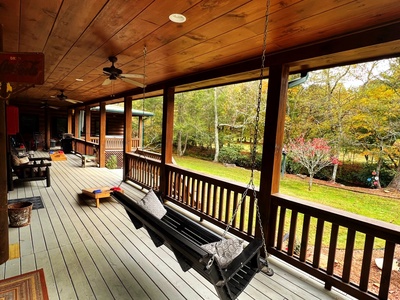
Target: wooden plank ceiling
77	37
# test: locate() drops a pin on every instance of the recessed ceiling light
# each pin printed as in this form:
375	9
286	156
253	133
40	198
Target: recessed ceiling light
177	18
79	79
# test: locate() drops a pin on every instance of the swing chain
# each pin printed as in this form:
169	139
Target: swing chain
251	184
144	79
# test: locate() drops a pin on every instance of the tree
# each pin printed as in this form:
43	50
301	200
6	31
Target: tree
216	137
313	155
377	125
391	79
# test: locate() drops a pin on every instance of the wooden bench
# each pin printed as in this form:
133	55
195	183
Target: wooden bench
89	161
35	169
184	238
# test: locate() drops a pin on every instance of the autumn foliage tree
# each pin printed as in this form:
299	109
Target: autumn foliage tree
314	155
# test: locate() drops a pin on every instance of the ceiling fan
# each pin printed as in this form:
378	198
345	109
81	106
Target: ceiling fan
114	73
46	105
64	97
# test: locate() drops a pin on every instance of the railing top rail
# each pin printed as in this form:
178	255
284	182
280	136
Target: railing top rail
232	185
343	218
141	157
85	142
144	152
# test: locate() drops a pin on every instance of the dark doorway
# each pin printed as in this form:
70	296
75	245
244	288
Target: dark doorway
59	126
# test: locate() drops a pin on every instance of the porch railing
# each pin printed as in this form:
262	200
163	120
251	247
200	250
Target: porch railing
314	245
116	142
83	147
327	243
144	171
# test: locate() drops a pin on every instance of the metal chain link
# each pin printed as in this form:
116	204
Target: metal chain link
251	185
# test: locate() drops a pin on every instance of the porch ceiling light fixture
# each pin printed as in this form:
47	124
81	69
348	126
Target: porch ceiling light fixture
177	18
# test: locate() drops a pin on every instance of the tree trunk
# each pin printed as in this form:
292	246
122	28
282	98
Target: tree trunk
395	183
216	134
378	170
185	145
179	143
310	181
335	167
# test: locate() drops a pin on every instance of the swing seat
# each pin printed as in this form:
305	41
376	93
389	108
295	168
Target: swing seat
184	238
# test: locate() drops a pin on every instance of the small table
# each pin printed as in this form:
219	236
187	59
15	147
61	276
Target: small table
99	192
21	151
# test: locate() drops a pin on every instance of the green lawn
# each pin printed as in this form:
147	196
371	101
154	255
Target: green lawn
380	208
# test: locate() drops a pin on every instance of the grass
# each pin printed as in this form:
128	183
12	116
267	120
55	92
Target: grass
380	208
216	169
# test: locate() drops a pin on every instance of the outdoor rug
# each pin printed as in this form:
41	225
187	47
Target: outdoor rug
37	202
28	286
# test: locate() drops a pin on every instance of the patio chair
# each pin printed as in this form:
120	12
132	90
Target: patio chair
27	169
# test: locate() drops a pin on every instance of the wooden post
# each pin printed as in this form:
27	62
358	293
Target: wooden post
46	129
127	133
87	127
4	247
76	123
167	135
69	122
272	147
102	138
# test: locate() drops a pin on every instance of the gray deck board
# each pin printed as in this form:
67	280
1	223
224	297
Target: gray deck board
96	253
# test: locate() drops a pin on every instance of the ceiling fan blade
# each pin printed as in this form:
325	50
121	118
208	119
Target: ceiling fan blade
73	101
131	76
53	107
133	82
107	81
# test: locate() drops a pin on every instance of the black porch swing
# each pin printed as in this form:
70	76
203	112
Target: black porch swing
221	261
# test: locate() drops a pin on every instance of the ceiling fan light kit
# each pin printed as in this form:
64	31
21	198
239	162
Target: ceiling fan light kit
63	97
114	73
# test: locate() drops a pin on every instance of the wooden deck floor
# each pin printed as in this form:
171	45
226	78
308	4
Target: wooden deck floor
96	253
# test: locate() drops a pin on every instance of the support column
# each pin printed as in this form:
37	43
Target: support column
167	135
76	123
87	128
46	129
4	247
127	134
272	147
102	138
69	122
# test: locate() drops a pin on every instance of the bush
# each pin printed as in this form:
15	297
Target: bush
229	155
293	167
357	174
111	163
199	152
353	174
244	160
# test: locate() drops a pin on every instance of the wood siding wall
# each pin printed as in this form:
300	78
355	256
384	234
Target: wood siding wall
114	126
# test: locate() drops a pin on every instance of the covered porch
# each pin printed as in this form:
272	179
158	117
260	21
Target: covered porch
88	252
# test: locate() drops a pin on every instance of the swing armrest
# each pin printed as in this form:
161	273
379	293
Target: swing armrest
251	252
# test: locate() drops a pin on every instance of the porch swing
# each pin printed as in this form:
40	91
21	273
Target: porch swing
220	260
